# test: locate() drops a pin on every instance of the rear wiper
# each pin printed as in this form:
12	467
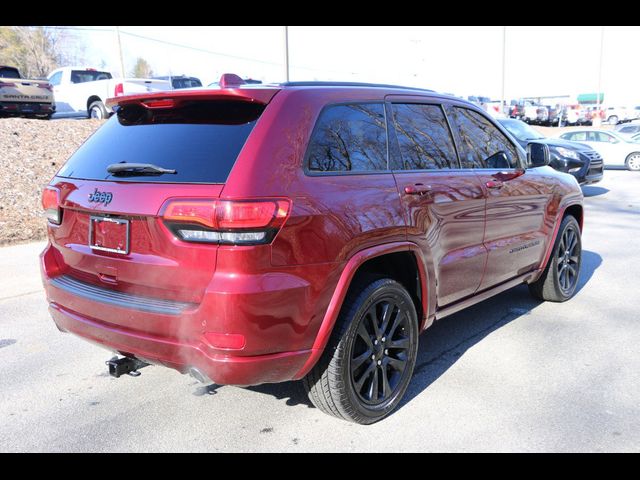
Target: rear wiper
126	168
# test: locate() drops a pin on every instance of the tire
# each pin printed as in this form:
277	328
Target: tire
633	162
348	380
97	110
613	119
560	278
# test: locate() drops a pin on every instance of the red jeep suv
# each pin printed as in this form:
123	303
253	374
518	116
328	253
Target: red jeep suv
305	230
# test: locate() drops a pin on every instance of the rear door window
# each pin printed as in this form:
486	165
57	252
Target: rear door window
423	137
349	138
200	140
480	143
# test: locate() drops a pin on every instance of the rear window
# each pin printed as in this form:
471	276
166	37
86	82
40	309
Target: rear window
186	83
82	76
200	140
9	72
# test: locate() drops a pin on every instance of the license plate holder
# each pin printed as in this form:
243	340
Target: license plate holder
109	234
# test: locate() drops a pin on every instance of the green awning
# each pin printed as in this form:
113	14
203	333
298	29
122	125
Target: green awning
590	98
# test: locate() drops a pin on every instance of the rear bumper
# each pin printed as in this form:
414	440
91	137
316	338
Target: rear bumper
27	108
278	332
182	356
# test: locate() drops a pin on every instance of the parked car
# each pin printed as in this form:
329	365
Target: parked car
628	129
553	115
577	159
571	115
271	233
493	108
529	112
20	97
181	81
616	150
615	115
81	91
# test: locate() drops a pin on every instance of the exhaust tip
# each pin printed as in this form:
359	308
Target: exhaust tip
198	375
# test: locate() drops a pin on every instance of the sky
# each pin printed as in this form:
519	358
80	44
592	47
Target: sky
539	61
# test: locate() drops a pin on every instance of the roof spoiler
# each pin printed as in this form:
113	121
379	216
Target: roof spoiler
231	88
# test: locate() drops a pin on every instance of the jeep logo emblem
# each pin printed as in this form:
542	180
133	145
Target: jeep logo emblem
101	197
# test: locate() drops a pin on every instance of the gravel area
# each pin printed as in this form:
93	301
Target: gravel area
31	152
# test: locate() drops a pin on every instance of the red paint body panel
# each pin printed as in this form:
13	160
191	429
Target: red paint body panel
283	298
448	223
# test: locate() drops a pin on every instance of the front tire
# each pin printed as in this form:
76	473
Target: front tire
97	110
559	280
633	161
368	362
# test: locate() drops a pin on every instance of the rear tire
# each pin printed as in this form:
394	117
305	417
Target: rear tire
613	119
633	161
368	362
97	110
559	280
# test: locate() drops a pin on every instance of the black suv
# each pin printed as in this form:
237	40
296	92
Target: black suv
578	159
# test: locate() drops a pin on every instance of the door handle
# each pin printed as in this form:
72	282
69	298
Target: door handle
494	184
417	189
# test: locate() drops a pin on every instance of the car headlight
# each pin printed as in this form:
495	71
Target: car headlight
565	152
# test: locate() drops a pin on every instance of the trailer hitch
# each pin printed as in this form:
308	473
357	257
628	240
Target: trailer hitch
125	365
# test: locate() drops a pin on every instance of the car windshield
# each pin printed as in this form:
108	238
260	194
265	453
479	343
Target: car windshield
521	130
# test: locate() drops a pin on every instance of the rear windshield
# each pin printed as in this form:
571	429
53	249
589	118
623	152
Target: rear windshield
8	72
186	82
82	76
199	140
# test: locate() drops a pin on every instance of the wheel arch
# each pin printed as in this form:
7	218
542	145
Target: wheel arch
574	209
389	260
93	98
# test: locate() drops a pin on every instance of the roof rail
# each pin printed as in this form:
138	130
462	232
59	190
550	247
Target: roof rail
349	84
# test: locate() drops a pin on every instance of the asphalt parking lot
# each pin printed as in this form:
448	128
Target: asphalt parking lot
510	374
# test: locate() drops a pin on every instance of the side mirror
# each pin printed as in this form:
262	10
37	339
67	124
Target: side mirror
538	155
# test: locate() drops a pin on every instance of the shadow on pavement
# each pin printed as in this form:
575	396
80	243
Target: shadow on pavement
592	191
445	341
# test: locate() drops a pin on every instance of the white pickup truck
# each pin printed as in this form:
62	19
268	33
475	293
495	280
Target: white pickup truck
81	91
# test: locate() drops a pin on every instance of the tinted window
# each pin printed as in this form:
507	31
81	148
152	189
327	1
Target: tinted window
423	136
200	140
629	129
55	78
185	82
9	72
82	76
481	144
349	138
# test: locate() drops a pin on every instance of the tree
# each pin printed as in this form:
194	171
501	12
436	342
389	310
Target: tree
35	51
141	69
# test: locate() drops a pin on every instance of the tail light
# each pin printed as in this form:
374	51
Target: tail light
119	90
230	222
51	205
46	86
7	84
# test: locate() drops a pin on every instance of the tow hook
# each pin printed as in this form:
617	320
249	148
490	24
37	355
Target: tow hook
125	365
